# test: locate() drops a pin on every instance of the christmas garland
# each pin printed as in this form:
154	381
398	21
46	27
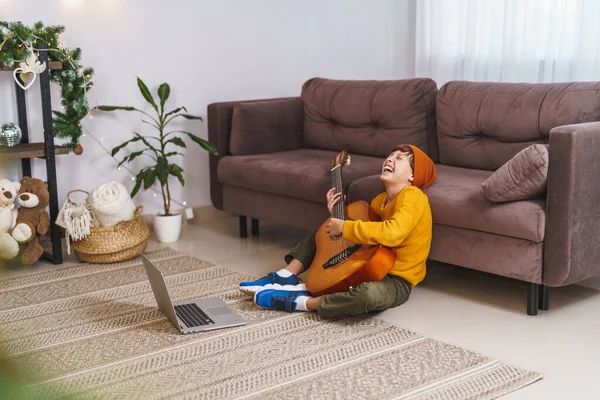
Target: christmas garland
16	40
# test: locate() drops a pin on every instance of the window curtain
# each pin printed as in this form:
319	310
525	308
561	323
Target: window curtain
508	40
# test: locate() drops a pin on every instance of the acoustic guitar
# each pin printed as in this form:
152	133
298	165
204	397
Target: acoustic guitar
340	264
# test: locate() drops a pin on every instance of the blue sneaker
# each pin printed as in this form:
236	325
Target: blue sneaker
279	299
271	281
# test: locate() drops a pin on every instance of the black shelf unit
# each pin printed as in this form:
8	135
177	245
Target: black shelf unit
46	150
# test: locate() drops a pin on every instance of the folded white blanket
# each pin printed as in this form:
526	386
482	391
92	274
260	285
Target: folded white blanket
111	203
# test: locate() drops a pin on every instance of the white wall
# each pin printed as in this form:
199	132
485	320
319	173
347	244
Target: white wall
208	51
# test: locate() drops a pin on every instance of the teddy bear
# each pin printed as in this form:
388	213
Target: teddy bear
33	219
9	248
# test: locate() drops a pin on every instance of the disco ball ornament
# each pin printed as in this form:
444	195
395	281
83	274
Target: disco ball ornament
10	134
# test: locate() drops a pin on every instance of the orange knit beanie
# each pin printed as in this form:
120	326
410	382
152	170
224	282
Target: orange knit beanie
424	173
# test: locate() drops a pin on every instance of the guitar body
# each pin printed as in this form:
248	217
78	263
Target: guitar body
363	263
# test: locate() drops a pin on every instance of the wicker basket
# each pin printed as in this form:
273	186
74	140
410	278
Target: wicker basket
108	244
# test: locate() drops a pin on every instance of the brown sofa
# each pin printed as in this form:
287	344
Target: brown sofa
275	156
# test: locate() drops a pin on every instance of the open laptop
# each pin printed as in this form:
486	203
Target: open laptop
191	315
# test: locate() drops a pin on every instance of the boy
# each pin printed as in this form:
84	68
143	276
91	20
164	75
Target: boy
405	227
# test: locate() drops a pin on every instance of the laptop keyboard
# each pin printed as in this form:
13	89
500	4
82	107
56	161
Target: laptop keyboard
192	315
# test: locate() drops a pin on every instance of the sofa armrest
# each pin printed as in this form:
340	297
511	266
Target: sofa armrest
573	205
220	118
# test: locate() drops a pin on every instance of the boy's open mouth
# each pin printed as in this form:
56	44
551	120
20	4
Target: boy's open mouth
388	168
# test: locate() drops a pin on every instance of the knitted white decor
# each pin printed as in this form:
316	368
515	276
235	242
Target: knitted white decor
111	203
76	218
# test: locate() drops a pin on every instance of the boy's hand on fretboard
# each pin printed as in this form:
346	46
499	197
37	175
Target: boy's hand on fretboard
332	198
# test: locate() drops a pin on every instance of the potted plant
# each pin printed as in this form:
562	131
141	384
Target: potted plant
160	148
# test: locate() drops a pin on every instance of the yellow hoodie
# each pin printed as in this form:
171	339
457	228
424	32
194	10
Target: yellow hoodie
405	227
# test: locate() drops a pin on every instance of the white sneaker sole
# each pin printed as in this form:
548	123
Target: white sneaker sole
255	289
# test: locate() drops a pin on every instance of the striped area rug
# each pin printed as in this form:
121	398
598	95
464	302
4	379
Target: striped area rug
94	331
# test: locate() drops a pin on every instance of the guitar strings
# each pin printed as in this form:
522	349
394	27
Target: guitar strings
335	179
340	212
337	189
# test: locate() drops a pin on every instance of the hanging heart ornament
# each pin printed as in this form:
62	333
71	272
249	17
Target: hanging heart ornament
30	66
25	77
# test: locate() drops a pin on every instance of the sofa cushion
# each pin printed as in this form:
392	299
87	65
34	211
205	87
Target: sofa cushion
266	126
523	177
302	173
483	125
369	117
457	199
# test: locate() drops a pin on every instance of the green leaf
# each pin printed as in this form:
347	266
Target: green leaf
177	141
162	170
123	161
177	171
137	186
114	108
146	93
206	145
175	111
173	153
132	156
143	139
149	178
151	124
164	91
119	147
188	116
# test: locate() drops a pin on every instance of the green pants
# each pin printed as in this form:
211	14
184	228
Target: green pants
389	292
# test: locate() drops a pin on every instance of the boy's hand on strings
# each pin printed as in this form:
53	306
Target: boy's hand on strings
335	228
333	198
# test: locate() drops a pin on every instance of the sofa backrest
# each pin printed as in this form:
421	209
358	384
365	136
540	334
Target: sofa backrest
369	117
483	125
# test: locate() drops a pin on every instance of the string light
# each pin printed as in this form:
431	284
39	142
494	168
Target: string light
99	141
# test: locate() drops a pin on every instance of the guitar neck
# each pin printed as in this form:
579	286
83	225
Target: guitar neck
339	209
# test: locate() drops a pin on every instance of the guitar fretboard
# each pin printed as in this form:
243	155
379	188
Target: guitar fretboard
339	211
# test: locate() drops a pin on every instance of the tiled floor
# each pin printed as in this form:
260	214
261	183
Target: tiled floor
478	311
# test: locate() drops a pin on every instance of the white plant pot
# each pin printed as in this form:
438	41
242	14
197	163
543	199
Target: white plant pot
167	227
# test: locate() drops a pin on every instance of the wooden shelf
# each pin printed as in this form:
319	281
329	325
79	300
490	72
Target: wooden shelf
25	151
51	64
29	150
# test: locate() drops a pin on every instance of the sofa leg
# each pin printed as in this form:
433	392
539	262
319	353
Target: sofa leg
243	227
544	301
532	298
254	227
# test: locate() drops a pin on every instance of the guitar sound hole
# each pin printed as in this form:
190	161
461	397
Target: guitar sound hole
338	258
